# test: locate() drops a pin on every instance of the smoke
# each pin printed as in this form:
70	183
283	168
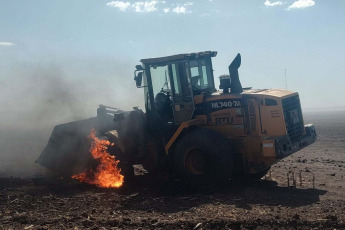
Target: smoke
34	97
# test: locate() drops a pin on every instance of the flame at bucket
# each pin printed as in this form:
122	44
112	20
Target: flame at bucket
107	174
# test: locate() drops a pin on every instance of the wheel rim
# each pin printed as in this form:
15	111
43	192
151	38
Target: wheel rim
195	161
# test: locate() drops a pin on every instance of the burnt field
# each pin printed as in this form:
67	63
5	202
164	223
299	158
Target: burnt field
314	199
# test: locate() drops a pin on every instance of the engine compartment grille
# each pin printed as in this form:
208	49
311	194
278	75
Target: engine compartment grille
293	117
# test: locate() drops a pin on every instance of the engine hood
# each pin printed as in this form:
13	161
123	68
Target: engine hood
274	93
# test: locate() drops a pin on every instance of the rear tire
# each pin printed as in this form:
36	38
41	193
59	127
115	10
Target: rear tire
202	156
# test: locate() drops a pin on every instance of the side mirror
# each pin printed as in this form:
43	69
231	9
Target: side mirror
138	79
139	67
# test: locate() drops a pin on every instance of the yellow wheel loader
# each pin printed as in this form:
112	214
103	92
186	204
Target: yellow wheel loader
189	129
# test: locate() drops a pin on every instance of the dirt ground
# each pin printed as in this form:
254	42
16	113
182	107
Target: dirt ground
266	204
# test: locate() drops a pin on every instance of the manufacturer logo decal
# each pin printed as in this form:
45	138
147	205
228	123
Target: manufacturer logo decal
213	106
225	104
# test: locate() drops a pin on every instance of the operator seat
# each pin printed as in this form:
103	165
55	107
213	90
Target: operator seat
163	105
196	81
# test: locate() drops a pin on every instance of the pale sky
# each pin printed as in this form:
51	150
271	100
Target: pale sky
95	44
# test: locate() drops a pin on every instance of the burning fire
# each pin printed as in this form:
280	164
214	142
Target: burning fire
107	174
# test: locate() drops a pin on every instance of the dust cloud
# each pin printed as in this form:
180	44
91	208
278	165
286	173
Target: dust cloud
35	97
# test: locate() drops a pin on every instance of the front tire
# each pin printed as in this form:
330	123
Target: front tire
127	170
202	156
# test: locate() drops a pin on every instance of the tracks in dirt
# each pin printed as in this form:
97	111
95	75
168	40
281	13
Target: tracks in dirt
262	205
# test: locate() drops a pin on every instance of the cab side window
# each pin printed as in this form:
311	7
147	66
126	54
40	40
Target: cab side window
201	75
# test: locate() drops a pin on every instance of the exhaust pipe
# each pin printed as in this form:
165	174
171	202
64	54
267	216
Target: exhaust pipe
235	85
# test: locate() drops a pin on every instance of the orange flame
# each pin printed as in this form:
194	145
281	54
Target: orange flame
107	174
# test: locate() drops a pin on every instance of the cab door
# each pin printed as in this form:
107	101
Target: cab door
183	104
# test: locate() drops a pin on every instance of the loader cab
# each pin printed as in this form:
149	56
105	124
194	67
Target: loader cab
170	84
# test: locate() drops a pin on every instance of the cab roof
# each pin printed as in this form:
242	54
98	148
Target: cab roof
178	57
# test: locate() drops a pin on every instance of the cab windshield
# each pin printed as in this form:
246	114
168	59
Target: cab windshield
175	80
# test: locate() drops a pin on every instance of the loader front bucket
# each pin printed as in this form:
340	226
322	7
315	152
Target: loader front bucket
67	150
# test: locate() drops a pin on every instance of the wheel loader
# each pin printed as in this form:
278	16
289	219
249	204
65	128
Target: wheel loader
189	129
